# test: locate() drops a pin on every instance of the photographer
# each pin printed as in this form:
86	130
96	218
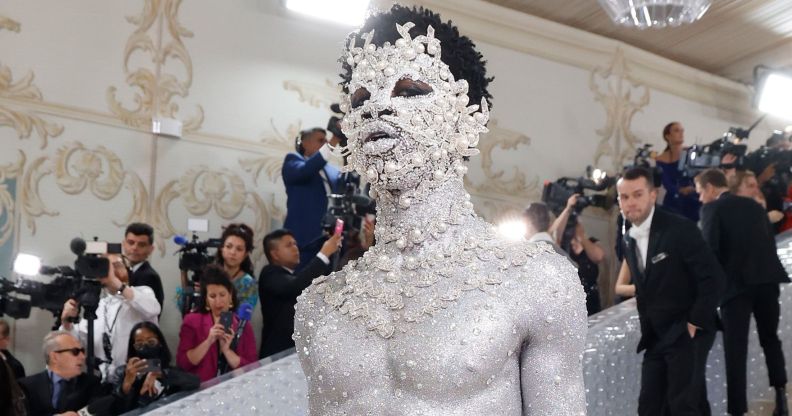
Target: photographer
207	346
234	256
583	251
537	225
309	179
138	243
5	341
280	285
121	308
147	376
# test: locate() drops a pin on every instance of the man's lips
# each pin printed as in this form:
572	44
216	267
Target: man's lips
377	135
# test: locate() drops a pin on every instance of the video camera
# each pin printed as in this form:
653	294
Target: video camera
80	283
193	257
351	206
555	195
698	158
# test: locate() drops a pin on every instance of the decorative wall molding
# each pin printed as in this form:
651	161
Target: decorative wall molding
319	96
222	192
77	169
496	181
23	122
9	24
615	89
7	200
157	88
535	36
279	145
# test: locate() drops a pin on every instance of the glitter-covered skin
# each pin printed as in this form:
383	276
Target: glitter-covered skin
441	316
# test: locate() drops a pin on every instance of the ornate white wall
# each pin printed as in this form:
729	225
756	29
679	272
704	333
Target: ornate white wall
79	83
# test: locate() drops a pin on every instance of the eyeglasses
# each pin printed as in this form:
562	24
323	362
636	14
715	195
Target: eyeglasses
75	351
150	343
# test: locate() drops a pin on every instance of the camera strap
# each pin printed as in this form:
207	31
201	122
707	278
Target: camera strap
107	344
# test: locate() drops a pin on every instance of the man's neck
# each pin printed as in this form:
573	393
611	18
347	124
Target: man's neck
412	215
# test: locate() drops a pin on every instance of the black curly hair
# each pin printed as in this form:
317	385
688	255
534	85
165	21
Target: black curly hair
458	52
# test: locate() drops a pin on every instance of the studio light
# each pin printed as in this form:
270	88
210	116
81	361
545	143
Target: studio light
775	95
347	12
512	230
27	264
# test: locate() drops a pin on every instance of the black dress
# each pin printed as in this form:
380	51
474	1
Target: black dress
588	271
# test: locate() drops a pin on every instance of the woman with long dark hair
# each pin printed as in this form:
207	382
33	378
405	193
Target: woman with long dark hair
681	196
147	374
234	256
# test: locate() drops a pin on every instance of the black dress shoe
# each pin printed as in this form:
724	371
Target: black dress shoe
782	408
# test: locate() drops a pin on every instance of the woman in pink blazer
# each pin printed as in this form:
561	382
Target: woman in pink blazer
206	349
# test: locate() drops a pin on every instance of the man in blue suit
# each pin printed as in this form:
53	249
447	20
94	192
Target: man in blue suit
309	179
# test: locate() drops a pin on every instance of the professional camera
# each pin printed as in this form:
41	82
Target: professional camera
194	254
698	158
351	206
642	158
193	257
555	195
334	124
80	283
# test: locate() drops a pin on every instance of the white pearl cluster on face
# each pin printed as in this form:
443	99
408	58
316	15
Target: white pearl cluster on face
432	132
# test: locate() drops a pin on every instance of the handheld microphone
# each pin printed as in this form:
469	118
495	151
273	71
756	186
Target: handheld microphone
77	246
244	313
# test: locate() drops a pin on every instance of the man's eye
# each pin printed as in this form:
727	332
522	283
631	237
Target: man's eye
359	97
410	92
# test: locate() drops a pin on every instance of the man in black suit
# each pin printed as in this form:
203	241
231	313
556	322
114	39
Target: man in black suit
279	286
678	283
741	236
138	245
62	388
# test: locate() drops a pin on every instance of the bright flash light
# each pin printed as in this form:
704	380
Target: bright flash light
348	12
513	230
774	96
27	264
598	175
692	155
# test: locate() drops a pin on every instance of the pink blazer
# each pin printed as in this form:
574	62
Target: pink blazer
194	330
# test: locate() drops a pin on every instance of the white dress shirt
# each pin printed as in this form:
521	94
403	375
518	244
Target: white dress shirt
125	313
641	235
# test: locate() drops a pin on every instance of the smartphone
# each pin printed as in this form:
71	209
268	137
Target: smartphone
153	365
339	227
226	319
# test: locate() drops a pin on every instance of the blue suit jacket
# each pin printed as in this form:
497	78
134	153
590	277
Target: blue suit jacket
306	196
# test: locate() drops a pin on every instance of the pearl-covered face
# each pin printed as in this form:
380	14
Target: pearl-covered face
407	119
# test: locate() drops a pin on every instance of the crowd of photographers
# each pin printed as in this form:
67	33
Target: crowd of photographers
116	335
713	277
703	260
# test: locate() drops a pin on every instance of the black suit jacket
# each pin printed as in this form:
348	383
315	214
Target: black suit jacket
75	395
741	236
278	291
147	276
681	283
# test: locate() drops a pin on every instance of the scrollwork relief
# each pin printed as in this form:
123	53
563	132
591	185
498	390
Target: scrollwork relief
157	89
9	24
279	144
77	169
315	95
222	192
24	122
7	200
622	97
496	181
